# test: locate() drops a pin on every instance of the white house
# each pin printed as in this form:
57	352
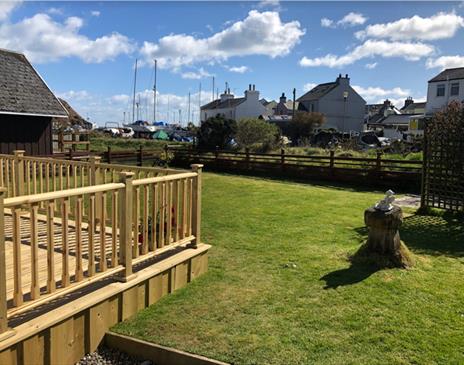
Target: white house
448	85
235	108
341	105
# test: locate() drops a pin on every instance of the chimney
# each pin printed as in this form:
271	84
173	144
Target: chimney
226	95
252	93
283	99
408	102
343	80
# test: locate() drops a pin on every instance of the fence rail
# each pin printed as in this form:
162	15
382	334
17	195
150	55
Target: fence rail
69	235
376	171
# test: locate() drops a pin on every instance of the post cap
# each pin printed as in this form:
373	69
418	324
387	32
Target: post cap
95	158
19	152
126	174
196	166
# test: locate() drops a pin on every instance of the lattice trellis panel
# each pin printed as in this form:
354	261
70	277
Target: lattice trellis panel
443	174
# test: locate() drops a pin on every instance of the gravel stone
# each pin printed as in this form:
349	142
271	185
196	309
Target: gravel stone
108	356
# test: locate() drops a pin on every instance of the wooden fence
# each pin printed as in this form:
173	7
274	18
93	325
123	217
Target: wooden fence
65	227
62	140
378	171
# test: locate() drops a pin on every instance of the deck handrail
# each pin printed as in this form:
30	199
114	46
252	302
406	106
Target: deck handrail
102	228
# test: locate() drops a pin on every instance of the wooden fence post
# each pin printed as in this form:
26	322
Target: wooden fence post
19	172
166	152
5	332
282	159
247	158
125	225
61	141
332	159
378	162
108	155
196	205
140	157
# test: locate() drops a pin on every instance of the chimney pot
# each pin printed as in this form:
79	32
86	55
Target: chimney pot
346	76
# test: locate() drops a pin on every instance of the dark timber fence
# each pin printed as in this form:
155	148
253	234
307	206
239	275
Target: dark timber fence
375	172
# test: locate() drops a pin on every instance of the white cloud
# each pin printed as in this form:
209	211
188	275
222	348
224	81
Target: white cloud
238	69
101	109
349	20
308	86
268	3
6	7
438	26
371	48
55	11
445	62
201	73
74	95
327	23
43	40
260	33
371	66
95	13
377	95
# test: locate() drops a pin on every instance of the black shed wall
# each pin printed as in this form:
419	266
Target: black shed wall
30	133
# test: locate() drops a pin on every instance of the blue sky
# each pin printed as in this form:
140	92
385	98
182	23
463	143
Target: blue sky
86	50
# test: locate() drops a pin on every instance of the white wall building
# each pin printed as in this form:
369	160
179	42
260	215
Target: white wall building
444	88
235	108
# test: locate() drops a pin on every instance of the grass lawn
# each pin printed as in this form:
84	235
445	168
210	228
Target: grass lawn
255	307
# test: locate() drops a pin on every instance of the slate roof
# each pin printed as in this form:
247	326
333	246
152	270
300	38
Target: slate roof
449	74
218	104
395	119
414	106
317	92
22	91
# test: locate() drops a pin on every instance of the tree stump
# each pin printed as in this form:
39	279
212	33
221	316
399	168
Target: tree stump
384	244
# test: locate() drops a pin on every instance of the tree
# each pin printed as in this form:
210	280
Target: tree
256	134
302	126
216	131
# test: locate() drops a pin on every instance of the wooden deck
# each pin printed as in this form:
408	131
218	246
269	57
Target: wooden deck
26	277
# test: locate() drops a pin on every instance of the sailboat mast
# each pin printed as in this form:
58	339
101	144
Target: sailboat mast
212	94
135	87
154	94
199	100
188	115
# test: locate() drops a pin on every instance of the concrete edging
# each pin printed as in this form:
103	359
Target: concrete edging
160	355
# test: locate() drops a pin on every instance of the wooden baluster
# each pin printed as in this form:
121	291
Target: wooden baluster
7	177
2	182
34	177
35	287
196	205
114	228
19	172
169	208
13	177
51	285
3	278
135	224
154	218
48	174
184	208
68	177
28	177
125	225
79	274
17	282
190	206
176	210
60	172
91	231
162	219
145	220
65	243
75	176
102	219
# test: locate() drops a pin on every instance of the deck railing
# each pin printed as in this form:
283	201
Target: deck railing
58	240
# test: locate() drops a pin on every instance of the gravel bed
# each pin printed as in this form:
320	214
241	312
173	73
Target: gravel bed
108	356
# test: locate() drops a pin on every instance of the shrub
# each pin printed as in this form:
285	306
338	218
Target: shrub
256	134
216	132
302	126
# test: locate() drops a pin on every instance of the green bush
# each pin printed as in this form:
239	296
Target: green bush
256	134
216	132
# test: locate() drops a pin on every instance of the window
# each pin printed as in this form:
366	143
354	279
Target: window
454	89
441	90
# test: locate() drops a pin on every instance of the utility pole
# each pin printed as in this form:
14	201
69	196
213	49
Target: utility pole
154	94
212	94
188	114
294	97
135	86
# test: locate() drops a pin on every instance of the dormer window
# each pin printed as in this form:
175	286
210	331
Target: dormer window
454	89
441	90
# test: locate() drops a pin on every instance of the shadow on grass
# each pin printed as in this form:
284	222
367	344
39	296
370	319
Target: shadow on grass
354	274
434	235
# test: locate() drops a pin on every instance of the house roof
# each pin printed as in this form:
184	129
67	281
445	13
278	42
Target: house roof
218	104
73	117
395	119
449	74
317	92
22	90
414	106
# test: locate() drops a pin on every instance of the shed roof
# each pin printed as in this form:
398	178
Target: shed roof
449	74
317	92
22	90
